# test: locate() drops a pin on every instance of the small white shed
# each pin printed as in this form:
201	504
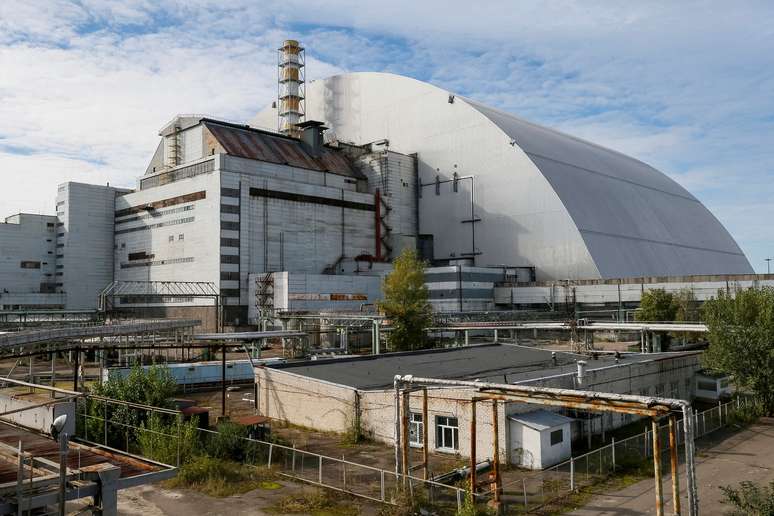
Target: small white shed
539	439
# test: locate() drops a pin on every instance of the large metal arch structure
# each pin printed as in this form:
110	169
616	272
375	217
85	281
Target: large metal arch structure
568	207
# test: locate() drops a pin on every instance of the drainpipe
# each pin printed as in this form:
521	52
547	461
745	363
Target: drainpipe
396	383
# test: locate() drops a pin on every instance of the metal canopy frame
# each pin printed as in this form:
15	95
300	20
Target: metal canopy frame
652	407
149	289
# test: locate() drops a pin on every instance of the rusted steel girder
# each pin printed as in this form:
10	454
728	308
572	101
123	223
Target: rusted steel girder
657	467
575	403
584	400
674	464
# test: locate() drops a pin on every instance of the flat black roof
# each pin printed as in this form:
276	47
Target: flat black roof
487	362
501	363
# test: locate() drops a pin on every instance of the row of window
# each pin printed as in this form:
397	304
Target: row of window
156	214
157	262
447	432
176	175
158	225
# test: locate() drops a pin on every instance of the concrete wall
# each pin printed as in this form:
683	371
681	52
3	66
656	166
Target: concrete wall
531	448
327	292
377	415
671	377
395	176
461	288
27	260
180	235
628	291
305	402
38	418
85	242
330	407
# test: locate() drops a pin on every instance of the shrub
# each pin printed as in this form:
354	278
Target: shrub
750	499
231	443
222	478
159	440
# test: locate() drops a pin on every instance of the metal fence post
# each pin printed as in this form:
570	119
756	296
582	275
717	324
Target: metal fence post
524	490
293	461
319	472
612	449
382	484
572	474
178	441
459	499
271	448
105	418
344	473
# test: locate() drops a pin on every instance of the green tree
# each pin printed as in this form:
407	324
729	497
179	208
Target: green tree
741	337
406	303
657	305
154	386
687	310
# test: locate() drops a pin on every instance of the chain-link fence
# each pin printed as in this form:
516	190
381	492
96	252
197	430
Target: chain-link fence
535	489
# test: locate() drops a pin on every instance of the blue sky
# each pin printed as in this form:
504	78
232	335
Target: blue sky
685	86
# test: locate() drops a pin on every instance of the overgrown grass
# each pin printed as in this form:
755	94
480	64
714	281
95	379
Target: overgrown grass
221	478
630	470
322	502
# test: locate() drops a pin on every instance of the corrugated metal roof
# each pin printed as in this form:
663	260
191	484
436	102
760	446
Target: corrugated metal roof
540	419
261	145
634	219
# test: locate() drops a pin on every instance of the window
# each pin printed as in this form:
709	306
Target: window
446	433
171	238
706	385
181	236
30	265
416	429
557	436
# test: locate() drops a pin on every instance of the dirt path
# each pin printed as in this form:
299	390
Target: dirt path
745	455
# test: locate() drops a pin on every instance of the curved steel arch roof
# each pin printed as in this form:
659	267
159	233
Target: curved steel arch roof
569	207
635	220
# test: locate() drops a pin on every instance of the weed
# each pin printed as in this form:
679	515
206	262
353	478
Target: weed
221	478
317	503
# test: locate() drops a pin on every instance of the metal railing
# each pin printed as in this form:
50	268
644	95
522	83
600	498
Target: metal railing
126	427
535	489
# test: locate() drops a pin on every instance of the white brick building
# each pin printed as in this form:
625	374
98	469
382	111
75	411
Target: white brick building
330	395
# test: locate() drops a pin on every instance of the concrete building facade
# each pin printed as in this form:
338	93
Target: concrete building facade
28	263
332	395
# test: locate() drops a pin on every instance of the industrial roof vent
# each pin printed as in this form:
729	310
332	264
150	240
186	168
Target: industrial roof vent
290	61
312	136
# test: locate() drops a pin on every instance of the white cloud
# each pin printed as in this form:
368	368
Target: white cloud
683	85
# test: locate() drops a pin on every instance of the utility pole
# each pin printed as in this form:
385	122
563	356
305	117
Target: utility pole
768	265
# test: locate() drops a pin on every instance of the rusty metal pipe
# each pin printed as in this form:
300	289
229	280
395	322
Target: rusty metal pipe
425	442
674	465
473	450
657	468
540	395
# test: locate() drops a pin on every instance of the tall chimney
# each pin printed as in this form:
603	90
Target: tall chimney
291	90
